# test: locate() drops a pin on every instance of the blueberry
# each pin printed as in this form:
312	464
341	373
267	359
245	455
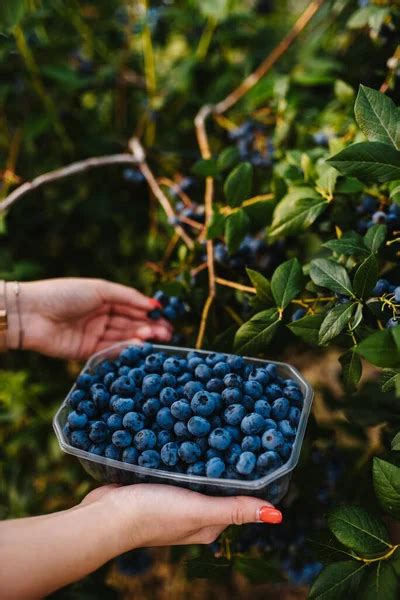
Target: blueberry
114	422
145	440
146	348
151	407
85	381
220	438
100	396
234	414
169	454
113	452
198	468
232	380
121	438
122	406
149	459
248	403
298	314
231	396
181	410
294	416
203	373
199	426
379	217
253	389
272	370
286	450
76	397
213	358
251	443
260	375
163	437
273	391
168	380
105	415
189	452
236	363
98	449
215	385
246	463
137	374
232	454
151	385
294	395
392	322
381	287
252	424
184	378
286	429
231	473
181	430
172	366
98	431
262	407
67	432
77	420
234	432
203	404
191	388
164	418
161	297
123	386
170	313
268	461
130	455
397	294
280	409
80	439
272	439
105	367
130	356
215	467
194	362
155	314
221	369
133	421
124	371
154	363
88	407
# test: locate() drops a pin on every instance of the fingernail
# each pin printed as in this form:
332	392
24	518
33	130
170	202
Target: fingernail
155	303
267	514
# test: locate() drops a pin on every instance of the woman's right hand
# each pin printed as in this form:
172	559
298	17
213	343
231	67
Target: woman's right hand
161	515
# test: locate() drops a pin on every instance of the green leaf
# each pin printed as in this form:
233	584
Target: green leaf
238	184
395	193
396	442
387	486
307	328
375	237
335	321
287	281
208	568
228	157
358	317
205	168
257	570
380	349
377	116
337	581
365	277
216	226
326	182
380	582
351	370
236	227
328	274
11	12
254	336
359	530
350	244
389	380
368	160
262	285
292	216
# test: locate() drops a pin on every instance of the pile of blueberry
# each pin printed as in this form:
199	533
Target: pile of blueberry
372	212
202	414
253	143
172	307
253	253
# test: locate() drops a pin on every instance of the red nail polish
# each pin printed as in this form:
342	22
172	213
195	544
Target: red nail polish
267	514
155	303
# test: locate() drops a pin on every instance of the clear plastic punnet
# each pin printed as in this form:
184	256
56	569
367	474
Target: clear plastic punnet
272	487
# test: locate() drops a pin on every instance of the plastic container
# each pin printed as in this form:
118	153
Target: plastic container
272	487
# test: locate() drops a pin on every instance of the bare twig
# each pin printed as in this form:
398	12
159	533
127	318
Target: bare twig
67	171
236	286
138	153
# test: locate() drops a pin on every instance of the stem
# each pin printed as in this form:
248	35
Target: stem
227	210
236	286
174	186
205	39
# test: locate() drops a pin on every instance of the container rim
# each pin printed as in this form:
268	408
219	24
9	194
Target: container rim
252	485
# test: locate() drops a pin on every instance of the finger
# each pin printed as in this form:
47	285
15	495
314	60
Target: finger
122	294
153	332
123	322
237	511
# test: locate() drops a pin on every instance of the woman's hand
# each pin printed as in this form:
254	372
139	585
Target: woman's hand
73	318
54	550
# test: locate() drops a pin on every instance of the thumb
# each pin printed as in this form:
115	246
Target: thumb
239	510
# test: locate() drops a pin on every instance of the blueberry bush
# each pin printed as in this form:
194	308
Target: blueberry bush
247	172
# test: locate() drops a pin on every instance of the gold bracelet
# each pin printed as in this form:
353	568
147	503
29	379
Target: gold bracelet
3	318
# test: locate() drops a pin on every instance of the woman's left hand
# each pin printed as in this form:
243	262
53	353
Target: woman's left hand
73	318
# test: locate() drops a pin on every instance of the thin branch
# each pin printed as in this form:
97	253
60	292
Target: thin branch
174	187
67	171
236	286
138	153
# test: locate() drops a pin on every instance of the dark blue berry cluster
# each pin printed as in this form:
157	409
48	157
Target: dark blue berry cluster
371	212
253	143
253	253
189	216
201	414
172	307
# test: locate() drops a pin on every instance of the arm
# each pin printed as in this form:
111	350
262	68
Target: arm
41	554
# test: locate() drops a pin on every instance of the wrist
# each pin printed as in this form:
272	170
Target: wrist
120	508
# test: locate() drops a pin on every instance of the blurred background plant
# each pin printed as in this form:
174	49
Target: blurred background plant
79	79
